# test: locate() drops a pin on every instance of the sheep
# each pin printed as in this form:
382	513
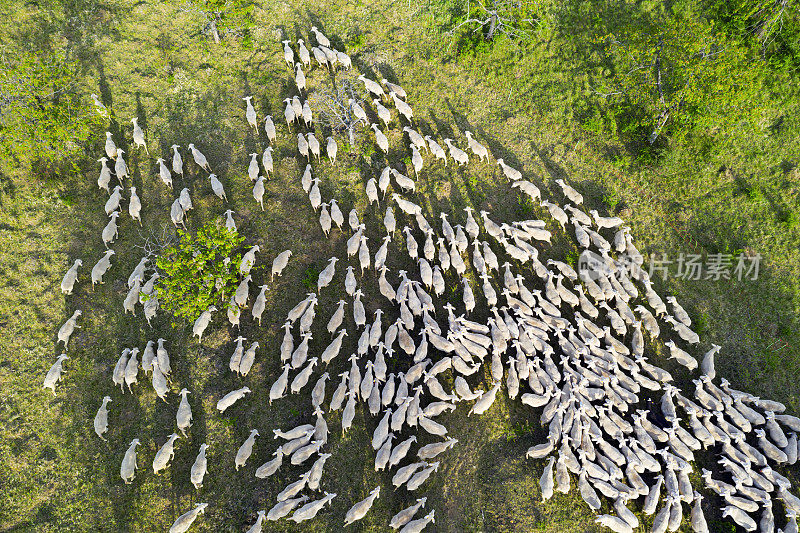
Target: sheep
244	451
110	230
313	145
459	155
269	129
320	56
231	398
299	77
477	148
372	86
105	174
416	526
403	181
309	510
165	454
242	293
360	509
176	213
331	149
325	277
120	167
199	158
417	140
110	147
177	160
247	359
358	111
127	469
572	195
344	60
138	135
314	195
69	279
288	53
164	173
112	204
54	374
135	206
380	138
131	369
485	401
288	112
216	187
185	521
202	323
372	190
404	516
101	109
402	107
605	222
65	332
436	150
384	114
101	418
301	379
321	39
250	113
420	477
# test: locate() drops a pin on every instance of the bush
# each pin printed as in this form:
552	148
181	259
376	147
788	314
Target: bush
41	116
199	271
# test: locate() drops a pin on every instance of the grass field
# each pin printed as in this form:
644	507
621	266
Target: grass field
147	59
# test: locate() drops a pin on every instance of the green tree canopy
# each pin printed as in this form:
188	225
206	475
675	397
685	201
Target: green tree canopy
199	271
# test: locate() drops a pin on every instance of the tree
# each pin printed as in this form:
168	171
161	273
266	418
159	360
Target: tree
223	17
678	72
507	17
199	271
41	115
333	108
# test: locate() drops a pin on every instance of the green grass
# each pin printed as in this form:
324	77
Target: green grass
144	58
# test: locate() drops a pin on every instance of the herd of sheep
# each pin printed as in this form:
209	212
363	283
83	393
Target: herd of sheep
570	345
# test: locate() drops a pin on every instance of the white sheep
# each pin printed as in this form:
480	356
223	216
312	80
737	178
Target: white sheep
279	263
165	454
176	213
111	148
164	173
199	158
269	128
105	174
436	150
360	509
313	145
288	112
120	167
321	39
250	113
185	521
112	204
159	382
186	200
184	414
230	223
231	398
245	450
260	304
266	160
216	186
65	332
384	114
459	155
477	148
127	469
202	322
402	107
110	230
243	291
138	135
101	418
135	206
132	369
69	279
199	467
118	374
54	374
380	138
288	53
177	160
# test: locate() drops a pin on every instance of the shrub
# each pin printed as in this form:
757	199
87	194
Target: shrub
41	116
199	271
